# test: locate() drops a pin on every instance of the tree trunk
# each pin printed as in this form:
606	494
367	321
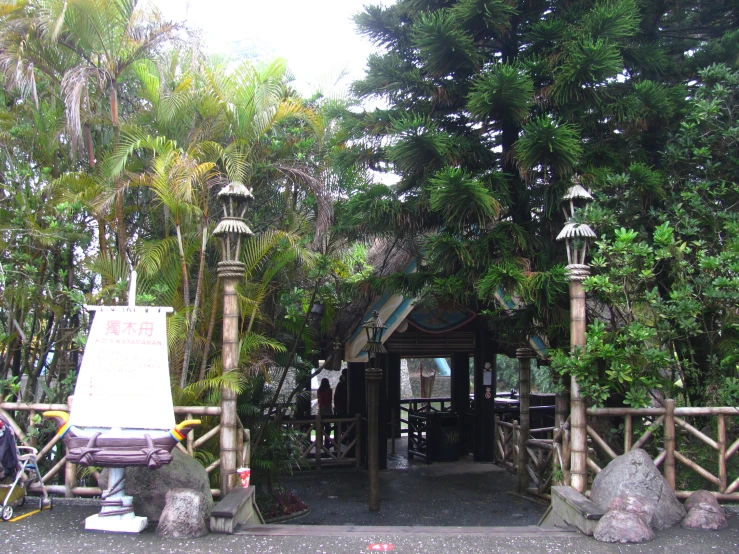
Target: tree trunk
211	327
89	146
194	312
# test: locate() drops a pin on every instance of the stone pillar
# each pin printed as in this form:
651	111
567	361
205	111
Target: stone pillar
577	273
230	273
524	356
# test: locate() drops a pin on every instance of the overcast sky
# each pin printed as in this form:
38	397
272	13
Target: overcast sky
317	37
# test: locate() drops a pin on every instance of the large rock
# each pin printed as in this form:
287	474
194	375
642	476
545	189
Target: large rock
184	515
703	497
149	487
704	512
623	526
634	473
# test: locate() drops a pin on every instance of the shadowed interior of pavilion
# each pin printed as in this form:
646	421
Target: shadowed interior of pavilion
447	451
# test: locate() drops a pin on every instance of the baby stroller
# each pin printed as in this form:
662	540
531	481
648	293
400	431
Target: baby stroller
18	470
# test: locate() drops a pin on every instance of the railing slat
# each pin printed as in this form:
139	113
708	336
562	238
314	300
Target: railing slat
696	433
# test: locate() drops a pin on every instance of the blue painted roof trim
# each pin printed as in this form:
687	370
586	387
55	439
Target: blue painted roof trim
410	268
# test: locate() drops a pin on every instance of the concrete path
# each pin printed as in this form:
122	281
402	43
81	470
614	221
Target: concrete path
61	531
450	494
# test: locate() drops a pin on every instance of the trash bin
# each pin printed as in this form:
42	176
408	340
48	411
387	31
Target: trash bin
444	440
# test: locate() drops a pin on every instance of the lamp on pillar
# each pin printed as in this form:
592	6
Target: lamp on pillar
577	234
231	229
374	327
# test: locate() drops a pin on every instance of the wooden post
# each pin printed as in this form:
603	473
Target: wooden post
722	453
628	433
190	438
70	479
373	377
319	440
579	437
392	430
246	451
669	430
524	356
561	408
231	273
358	444
32	437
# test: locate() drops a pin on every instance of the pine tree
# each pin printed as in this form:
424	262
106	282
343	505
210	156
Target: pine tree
492	106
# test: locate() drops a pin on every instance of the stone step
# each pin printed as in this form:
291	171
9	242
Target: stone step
367	530
570	508
239	508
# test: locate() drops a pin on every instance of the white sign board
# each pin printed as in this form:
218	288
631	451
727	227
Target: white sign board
124	378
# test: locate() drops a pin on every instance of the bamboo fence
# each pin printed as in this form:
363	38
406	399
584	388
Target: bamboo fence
71	487
549	458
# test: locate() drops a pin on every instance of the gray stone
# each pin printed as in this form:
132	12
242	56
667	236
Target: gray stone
149	488
633	503
623	526
184	515
634	473
703	497
706	519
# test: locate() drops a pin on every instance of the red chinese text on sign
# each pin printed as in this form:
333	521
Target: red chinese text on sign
380	547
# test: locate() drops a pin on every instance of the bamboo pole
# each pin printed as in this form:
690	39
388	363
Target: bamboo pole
46	449
561	407
628	433
734	486
231	273
592	465
524	356
732	449
578	423
32	436
707	475
643	412
660	458
600	442
54	470
722	477
696	433
190	438
70	479
649	432
204	438
669	430
720	497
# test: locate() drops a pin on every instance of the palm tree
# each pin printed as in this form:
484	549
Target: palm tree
97	41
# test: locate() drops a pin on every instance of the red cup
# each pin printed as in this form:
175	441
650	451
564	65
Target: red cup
244	475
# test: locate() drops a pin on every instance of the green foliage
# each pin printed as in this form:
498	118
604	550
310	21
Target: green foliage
503	93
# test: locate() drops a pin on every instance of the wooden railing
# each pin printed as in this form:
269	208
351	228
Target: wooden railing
71	487
549	456
675	428
421	406
340	447
543	447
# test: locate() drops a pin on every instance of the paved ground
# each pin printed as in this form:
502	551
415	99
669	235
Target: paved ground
61	531
454	494
423	509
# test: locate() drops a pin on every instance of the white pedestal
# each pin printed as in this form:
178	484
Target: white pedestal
128	523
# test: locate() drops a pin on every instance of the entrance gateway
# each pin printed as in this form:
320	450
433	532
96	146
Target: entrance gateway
444	331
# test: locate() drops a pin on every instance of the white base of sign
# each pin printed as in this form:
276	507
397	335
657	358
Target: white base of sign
116	524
